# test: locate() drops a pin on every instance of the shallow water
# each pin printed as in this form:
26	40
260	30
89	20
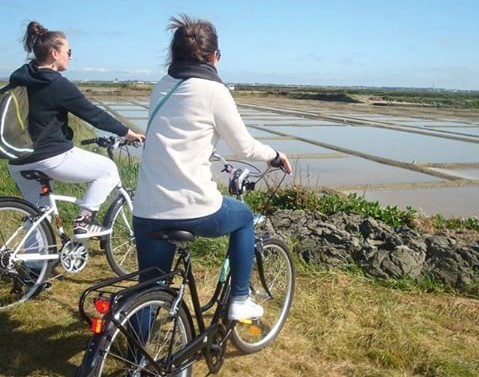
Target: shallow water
317	166
451	201
396	145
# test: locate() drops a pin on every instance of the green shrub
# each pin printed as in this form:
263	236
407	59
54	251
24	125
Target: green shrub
440	222
297	197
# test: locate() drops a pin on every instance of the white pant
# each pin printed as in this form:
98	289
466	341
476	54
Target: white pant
73	166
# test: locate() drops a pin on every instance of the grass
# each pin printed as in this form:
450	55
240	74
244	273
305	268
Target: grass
340	325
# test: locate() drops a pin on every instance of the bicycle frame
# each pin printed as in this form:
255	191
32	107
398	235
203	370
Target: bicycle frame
190	352
51	211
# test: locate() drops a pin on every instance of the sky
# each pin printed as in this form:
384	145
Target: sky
407	43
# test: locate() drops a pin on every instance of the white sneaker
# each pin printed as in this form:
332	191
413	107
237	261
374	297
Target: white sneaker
83	226
92	231
244	310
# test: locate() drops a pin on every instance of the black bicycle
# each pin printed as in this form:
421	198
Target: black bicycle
147	328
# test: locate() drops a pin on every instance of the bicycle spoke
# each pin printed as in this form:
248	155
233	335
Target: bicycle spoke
279	280
23	273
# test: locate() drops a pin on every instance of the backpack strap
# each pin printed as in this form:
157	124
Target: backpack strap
161	103
7	88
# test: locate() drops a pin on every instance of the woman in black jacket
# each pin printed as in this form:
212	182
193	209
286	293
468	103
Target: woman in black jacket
51	98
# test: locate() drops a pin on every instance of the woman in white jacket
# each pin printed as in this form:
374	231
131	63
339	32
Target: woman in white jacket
175	187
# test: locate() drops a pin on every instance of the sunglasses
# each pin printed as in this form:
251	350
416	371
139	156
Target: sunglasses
69	53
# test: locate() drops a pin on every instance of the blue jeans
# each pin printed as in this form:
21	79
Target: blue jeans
233	218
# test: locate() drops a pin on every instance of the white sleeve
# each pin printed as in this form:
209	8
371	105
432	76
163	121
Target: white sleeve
232	129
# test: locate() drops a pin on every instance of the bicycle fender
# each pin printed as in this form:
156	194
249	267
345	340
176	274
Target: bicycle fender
173	293
21	200
117	201
90	359
30	205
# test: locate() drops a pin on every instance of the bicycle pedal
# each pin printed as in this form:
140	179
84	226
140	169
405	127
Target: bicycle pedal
246	321
46	286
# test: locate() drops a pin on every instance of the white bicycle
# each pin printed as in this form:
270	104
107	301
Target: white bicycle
29	247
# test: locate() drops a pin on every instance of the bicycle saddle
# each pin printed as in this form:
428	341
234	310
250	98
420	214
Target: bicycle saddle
173	235
35	174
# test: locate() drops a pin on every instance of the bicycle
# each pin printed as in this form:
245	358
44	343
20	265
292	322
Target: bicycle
146	328
28	246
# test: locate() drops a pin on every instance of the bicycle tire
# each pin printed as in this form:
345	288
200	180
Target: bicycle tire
109	354
279	275
119	245
23	280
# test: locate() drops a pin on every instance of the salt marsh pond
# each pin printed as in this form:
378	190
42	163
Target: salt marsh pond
425	159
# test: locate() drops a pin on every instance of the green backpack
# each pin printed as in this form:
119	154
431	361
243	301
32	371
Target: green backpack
15	140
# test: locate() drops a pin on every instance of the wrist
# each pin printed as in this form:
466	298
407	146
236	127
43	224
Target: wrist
276	162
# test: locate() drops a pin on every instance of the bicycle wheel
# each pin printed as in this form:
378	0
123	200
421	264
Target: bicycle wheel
119	245
20	280
148	319
279	275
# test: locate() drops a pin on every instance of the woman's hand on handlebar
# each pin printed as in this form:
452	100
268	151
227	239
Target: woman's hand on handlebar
134	137
281	161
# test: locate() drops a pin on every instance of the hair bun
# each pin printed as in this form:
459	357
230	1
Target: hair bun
42	31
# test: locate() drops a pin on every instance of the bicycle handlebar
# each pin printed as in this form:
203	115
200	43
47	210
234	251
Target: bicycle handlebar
239	178
112	142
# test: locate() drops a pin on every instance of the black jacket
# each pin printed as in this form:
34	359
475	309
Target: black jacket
51	98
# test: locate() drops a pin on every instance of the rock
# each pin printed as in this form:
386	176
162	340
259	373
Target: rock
398	263
449	263
343	239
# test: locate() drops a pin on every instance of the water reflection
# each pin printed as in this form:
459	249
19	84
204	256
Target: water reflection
450	201
324	165
396	145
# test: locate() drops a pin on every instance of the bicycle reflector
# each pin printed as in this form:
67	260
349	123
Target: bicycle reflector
45	190
102	306
251	327
97	325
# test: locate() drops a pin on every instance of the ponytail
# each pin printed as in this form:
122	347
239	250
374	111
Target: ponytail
41	41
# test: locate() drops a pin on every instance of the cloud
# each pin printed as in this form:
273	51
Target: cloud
90	69
347	61
143	71
102	73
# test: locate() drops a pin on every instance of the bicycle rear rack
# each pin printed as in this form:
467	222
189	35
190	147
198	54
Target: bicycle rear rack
116	289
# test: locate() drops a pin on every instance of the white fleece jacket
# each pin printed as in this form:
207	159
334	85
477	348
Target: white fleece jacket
175	179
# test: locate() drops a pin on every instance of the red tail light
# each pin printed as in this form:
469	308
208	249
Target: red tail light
102	305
